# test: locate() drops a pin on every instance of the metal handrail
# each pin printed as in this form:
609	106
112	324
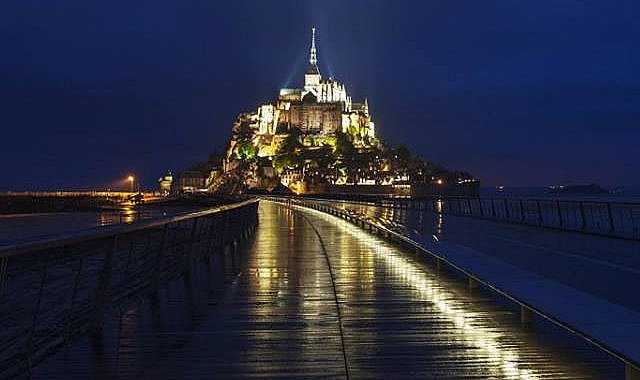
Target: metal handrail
410	243
591	216
538	198
54	289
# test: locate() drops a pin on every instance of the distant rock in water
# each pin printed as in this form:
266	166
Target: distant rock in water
578	189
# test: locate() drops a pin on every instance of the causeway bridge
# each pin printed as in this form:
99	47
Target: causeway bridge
308	288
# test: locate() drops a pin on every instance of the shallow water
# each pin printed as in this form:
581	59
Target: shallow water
19	228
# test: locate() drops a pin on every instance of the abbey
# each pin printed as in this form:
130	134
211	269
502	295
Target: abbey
316	140
322	107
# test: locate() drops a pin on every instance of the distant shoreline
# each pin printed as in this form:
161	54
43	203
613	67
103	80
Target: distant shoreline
31	203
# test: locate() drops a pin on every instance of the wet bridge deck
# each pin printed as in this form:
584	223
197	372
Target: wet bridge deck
310	295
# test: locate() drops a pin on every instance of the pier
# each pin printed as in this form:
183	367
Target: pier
314	289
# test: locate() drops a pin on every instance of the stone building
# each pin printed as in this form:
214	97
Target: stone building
314	117
321	107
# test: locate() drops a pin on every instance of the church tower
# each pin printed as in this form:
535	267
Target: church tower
312	77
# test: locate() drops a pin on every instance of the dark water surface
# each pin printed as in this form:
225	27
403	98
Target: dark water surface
19	228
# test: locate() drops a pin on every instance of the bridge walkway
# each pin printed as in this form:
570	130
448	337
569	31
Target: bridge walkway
310	295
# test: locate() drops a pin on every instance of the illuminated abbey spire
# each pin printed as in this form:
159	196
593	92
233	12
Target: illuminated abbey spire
312	77
321	107
313	60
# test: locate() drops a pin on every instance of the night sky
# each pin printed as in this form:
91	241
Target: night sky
519	93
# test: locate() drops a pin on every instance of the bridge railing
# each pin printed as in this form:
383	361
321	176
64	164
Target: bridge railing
54	290
632	367
617	219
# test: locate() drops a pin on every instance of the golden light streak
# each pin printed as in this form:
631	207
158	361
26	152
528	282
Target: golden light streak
468	323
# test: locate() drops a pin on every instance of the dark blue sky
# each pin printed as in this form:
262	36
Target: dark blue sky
516	92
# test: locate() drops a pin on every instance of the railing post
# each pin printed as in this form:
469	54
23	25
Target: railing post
526	315
192	245
560	222
472	283
540	220
225	229
102	294
157	268
507	214
4	270
244	230
213	220
584	221
76	282
611	224
493	208
631	372
36	311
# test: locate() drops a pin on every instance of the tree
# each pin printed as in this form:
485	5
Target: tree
247	151
401	153
344	147
291	143
243	132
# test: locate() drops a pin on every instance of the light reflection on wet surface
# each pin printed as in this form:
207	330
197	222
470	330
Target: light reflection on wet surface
270	311
601	266
428	325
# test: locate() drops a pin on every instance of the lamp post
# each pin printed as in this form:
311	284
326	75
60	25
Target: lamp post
132	180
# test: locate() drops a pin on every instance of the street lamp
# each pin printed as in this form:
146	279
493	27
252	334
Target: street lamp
132	180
